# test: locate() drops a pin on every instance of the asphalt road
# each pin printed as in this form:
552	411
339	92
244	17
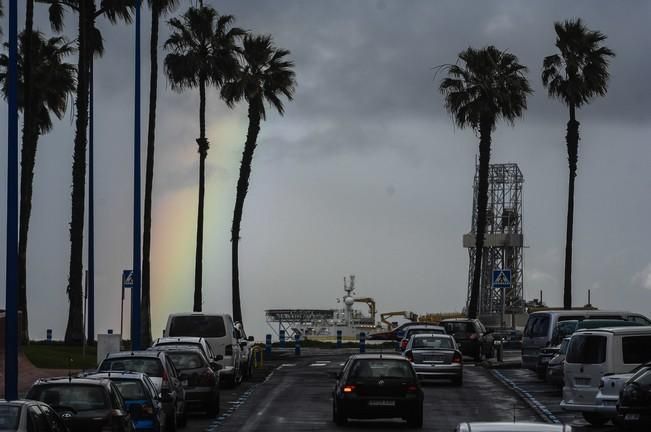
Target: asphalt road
296	397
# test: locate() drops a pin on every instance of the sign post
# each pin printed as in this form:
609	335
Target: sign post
127	283
502	280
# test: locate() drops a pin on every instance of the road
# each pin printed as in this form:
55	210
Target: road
296	397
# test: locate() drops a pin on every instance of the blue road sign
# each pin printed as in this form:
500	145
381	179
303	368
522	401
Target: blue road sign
127	279
501	278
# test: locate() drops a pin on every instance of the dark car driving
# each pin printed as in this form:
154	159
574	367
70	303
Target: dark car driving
85	405
471	336
377	386
634	405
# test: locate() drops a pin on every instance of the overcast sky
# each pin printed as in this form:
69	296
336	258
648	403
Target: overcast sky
365	174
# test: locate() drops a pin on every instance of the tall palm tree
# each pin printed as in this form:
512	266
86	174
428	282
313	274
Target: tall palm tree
265	76
159	8
53	82
575	75
485	85
89	42
203	48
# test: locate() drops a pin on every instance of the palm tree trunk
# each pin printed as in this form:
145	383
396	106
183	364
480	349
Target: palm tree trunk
572	139
74	329
482	202
145	329
255	107
203	151
28	160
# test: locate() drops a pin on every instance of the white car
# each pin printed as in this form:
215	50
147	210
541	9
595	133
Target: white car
608	395
511	427
15	416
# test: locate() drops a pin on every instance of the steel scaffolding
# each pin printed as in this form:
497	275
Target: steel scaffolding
503	243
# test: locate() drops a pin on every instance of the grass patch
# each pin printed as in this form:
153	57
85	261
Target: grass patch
55	356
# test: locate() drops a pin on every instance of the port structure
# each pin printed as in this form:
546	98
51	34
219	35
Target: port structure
503	242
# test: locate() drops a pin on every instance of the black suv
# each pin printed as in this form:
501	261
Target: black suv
85	405
471	336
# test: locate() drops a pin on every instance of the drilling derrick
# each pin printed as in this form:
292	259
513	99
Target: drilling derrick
503	243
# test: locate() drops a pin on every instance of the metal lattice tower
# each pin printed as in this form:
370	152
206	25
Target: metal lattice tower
503	243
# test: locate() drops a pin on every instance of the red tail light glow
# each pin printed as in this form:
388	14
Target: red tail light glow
412	389
474	336
165	377
348	388
403	344
456	358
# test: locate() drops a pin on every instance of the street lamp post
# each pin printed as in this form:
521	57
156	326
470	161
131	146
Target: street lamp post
135	292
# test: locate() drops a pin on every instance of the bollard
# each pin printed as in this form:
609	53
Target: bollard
267	347
297	345
48	336
500	350
110	331
338	338
281	336
362	343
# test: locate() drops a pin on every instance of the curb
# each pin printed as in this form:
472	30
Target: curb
540	409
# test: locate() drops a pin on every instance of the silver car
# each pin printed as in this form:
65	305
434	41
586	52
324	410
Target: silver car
512	427
435	356
16	415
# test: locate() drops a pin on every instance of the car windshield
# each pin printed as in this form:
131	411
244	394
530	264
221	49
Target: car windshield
186	360
432	342
131	390
9	417
197	326
381	368
150	366
80	397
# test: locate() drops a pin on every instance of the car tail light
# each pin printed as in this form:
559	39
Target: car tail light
474	336
403	344
348	388
165	377
148	410
410	356
456	358
228	350
412	388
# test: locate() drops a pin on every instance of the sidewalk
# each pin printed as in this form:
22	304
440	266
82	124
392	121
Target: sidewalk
27	374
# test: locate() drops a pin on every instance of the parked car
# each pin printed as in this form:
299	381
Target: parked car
634	405
472	337
162	373
28	416
420	329
395	334
200	381
539	330
555	366
142	399
219	331
512	427
246	345
85	405
435	356
594	353
377	386
185	341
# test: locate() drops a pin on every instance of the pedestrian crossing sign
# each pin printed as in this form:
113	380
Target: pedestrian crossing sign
501	278
127	279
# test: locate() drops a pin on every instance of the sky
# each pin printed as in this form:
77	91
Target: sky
365	173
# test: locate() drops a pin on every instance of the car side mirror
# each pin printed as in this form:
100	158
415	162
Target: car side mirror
243	344
215	366
250	339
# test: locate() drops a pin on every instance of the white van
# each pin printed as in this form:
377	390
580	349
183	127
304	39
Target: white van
592	354
218	330
539	330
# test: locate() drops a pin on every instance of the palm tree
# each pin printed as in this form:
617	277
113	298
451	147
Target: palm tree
575	76
158	8
202	52
89	42
53	81
265	76
487	86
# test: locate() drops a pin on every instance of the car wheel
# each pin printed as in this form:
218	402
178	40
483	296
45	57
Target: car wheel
338	414
170	421
416	420
595	419
212	406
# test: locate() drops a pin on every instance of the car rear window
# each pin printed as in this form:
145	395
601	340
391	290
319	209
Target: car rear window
197	326
588	349
381	368
9	417
150	366
432	342
424	331
636	349
131	390
186	360
80	397
459	327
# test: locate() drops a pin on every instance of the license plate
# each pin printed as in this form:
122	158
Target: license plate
381	403
184	383
582	381
435	359
632	417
